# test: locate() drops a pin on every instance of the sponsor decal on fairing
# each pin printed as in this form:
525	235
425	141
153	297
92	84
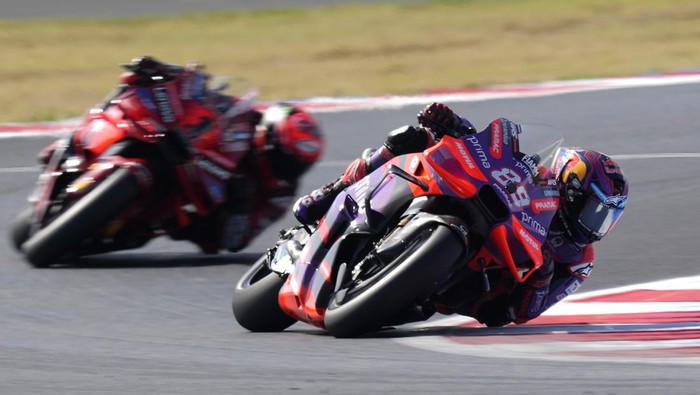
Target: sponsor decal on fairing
164	104
465	155
496	140
546	204
532	223
480	153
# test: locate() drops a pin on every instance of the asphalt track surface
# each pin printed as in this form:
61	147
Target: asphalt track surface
158	319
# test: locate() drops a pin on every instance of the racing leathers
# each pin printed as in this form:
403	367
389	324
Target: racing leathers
566	264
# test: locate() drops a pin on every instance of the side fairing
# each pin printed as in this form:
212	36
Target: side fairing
512	181
341	235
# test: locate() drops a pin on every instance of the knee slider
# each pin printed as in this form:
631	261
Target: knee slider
406	139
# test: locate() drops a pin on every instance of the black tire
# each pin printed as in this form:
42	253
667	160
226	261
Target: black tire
94	210
19	228
410	277
255	300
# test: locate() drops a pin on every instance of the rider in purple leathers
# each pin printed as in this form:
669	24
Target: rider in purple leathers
593	192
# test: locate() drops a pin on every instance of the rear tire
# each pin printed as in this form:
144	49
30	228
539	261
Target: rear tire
409	278
88	214
255	300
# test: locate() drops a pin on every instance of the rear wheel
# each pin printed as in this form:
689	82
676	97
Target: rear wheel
96	209
255	300
379	295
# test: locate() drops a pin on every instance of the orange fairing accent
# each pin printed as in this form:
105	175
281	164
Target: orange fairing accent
462	187
458	149
458	183
532	246
292	304
325	269
499	236
414	165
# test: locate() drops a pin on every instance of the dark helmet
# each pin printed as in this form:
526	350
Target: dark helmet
295	137
593	193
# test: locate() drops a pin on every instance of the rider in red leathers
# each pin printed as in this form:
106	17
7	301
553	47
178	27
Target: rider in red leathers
261	152
593	193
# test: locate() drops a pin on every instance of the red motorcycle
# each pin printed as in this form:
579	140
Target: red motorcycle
156	158
394	243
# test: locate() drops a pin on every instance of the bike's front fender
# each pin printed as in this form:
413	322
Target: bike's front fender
99	171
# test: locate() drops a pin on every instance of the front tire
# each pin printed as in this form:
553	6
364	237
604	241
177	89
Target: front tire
255	300
88	214
20	226
408	278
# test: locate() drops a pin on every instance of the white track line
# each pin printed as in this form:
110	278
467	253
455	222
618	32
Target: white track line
342	104
343	164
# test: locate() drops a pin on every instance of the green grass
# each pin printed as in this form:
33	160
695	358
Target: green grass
52	69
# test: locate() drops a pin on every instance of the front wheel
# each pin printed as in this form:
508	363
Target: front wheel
20	226
377	298
255	300
82	219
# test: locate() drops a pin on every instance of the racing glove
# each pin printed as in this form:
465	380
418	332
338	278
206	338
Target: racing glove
144	69
441	120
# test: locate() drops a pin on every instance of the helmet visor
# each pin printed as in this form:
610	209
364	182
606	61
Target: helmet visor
601	213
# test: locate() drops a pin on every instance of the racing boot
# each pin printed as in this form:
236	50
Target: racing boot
310	208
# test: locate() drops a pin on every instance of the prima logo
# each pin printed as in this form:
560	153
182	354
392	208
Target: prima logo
479	152
527	219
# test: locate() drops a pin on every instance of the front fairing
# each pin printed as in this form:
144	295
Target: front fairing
126	131
513	191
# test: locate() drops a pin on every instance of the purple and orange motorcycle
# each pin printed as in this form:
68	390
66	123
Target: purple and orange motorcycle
396	240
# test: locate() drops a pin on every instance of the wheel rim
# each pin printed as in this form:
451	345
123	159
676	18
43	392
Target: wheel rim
347	293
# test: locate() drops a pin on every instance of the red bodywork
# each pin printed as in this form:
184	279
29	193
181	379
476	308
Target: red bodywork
208	152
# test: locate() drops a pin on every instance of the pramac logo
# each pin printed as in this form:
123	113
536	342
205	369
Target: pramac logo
496	139
546	204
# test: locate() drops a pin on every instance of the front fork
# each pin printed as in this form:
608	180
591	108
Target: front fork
99	171
61	165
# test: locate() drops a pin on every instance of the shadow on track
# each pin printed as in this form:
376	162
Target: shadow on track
572	328
156	260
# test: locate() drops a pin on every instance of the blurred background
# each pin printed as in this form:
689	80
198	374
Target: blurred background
61	57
